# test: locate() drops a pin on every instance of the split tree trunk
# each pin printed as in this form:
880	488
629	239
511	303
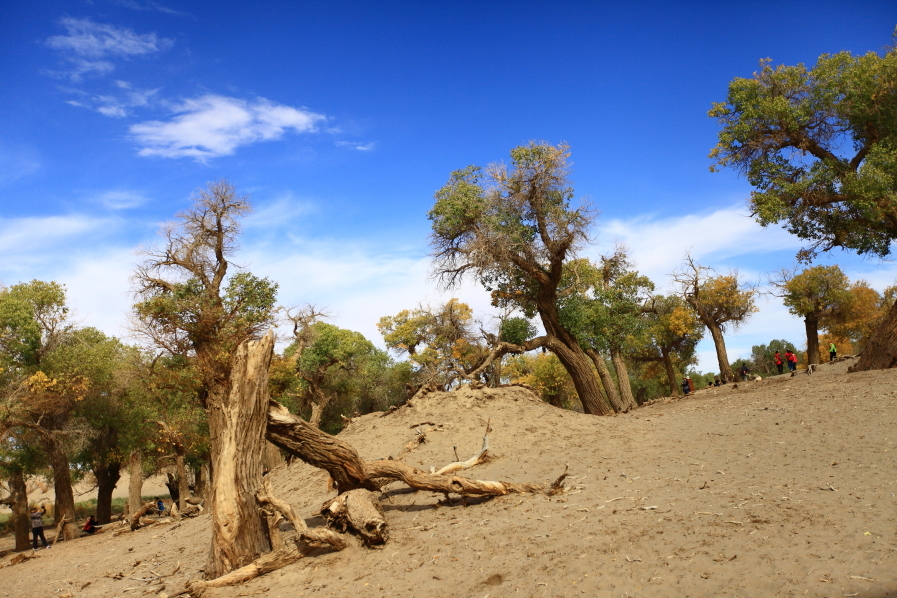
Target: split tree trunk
623	380
238	413
811	324
135	484
607	381
19	499
881	351
107	478
62	486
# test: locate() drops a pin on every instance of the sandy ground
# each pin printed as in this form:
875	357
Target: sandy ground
781	487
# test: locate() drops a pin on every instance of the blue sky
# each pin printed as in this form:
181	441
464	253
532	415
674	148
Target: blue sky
341	119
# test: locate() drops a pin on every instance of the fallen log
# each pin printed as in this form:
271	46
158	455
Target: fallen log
357	510
299	438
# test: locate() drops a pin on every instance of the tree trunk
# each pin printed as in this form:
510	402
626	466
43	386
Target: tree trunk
201	480
811	324
607	381
623	380
722	357
881	351
273	458
496	372
19	499
238	413
183	489
578	365
62	485
174	487
317	410
563	344
107	478
135	484
671	373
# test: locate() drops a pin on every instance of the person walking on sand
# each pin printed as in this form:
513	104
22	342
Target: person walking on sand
37	526
832	352
779	363
744	371
792	361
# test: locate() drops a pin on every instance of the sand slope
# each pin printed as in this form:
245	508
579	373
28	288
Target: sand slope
783	487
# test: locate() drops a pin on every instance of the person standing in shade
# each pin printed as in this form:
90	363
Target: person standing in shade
745	371
686	386
37	526
832	352
779	363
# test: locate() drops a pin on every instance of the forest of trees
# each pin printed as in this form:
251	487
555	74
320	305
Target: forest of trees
592	335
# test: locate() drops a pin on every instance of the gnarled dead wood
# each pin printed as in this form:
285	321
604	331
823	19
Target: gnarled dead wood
318	536
135	518
297	437
264	564
421	480
358	510
475	460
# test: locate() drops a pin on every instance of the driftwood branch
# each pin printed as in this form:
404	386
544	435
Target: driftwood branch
475	460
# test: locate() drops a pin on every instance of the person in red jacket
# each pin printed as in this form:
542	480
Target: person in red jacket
779	363
792	361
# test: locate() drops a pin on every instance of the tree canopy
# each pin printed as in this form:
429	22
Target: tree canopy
819	145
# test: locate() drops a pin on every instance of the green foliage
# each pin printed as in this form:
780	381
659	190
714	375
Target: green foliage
516	330
441	343
819	146
544	373
817	292
31	314
762	360
340	370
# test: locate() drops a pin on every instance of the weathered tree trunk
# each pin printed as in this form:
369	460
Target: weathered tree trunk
298	437
671	373
174	487
201	480
183	487
719	343
135	484
578	365
811	324
19	503
273	458
62	486
623	380
317	411
572	357
607	381
107	478
238	413
881	351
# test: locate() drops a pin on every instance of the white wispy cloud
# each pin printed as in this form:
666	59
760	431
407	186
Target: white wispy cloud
24	240
121	199
719	239
17	162
133	4
362	147
117	105
213	125
89	47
